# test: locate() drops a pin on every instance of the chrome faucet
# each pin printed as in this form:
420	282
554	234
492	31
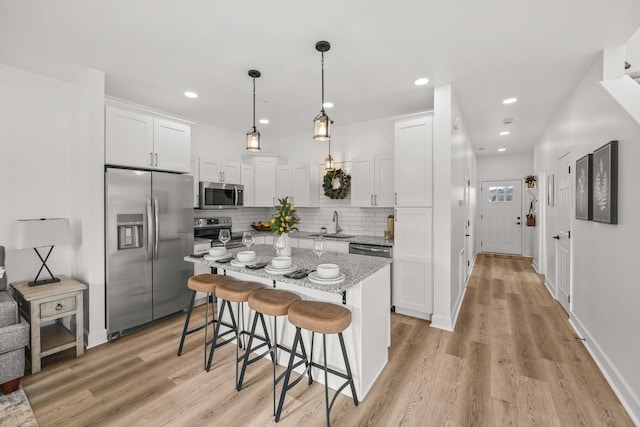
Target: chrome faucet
335	219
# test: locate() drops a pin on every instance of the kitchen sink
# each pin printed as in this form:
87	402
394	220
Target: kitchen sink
334	235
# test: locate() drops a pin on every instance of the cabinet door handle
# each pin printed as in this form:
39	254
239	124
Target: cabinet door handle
375	200
58	307
395	198
156	159
372	200
395	215
150	159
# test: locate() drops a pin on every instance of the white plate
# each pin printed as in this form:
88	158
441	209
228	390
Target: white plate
215	258
234	262
272	270
314	278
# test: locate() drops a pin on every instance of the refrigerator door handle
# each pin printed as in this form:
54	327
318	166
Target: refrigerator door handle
156	211
148	230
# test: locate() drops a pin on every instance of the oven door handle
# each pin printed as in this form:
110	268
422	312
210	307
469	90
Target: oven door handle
370	248
235	199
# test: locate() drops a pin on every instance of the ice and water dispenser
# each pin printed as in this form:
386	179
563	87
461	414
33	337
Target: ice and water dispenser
130	231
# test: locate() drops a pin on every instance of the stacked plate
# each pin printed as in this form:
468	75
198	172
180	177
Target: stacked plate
272	270
314	278
215	258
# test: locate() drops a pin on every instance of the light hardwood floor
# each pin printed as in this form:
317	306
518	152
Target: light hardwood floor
513	360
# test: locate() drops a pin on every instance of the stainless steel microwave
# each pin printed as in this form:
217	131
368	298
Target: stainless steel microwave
219	195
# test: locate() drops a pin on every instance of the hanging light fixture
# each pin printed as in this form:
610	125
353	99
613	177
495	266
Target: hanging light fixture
253	136
322	122
328	162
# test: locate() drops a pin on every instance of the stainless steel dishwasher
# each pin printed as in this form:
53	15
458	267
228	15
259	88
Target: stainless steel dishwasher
379	251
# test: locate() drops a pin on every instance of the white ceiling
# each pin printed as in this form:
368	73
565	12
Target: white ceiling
154	50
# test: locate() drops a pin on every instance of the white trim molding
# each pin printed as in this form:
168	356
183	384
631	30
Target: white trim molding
629	399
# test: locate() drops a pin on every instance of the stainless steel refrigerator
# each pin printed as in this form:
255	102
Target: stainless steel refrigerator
149	231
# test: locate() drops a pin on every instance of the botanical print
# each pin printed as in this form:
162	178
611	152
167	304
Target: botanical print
583	188
601	186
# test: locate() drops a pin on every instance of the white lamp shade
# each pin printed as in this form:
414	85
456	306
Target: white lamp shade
36	233
321	127
253	140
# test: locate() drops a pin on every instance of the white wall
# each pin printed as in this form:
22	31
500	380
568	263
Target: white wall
604	288
35	166
453	161
507	167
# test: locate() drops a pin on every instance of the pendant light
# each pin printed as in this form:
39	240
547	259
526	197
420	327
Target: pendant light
328	162
322	122
253	136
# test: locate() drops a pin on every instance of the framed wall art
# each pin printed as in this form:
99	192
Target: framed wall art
550	186
604	183
584	209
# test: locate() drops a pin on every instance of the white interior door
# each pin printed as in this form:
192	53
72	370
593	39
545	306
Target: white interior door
563	252
501	217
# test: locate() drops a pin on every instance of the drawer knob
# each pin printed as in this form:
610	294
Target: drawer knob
58	307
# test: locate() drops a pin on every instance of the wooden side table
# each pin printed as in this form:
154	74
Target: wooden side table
61	302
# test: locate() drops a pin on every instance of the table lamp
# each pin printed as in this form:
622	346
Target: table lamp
39	233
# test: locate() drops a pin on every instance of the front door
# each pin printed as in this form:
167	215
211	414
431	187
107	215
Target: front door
501	217
563	245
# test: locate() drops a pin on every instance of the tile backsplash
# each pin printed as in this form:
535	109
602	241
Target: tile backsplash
358	221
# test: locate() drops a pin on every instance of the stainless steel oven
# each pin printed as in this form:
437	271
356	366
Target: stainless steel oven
219	195
209	228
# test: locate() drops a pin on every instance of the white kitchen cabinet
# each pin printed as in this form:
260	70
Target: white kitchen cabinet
264	178
220	171
299	183
246	179
140	140
413	170
194	171
372	181
413	262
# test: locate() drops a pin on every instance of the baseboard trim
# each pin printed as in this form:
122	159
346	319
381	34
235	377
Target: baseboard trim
413	313
534	264
442	322
95	338
456	309
550	288
629	399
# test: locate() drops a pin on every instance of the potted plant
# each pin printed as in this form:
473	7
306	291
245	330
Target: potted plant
530	180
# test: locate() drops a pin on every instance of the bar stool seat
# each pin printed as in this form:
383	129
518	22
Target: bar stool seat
323	318
320	317
208	284
237	291
270	302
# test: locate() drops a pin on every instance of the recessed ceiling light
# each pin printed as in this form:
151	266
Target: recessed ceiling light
264	121
481	149
421	82
504	132
190	94
502	149
509	100
328	105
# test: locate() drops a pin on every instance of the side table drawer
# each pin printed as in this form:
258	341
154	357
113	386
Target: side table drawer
56	307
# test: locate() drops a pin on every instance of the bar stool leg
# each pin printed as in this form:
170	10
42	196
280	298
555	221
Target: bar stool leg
216	334
346	363
186	321
287	375
326	378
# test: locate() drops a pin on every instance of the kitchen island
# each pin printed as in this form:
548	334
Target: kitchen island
365	292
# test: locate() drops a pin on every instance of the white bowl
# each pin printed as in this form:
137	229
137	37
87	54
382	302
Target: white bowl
281	262
328	271
245	256
217	251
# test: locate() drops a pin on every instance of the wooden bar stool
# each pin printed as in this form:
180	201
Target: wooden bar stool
323	318
236	291
206	283
272	302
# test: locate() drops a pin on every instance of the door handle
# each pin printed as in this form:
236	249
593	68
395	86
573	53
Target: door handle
149	221
156	159
156	209
467	235
375	200
372	200
556	237
518	223
395	198
150	159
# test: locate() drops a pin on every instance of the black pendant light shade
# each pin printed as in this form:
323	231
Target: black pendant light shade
322	122
253	136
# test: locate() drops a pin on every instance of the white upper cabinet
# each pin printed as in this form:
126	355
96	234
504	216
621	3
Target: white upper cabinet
220	171
264	178
140	140
413	149
247	180
372	181
299	183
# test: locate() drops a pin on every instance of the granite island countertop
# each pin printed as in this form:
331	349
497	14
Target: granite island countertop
355	267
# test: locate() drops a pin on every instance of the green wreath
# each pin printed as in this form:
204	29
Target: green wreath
342	190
